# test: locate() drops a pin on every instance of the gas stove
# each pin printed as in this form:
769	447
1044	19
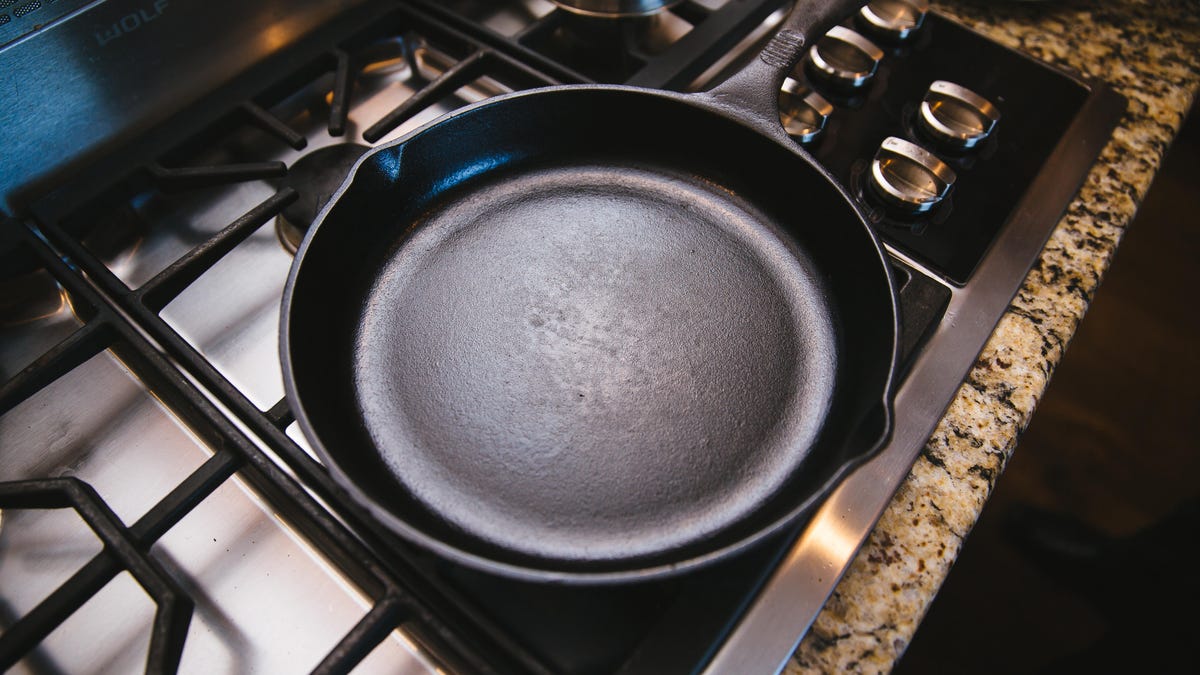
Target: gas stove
159	508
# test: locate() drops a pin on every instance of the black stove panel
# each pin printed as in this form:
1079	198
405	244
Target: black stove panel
1036	105
667	51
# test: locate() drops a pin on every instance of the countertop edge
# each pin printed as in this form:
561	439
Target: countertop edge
1145	51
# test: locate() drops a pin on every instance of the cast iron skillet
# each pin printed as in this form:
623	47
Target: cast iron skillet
594	333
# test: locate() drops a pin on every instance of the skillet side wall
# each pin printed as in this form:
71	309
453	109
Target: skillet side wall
395	187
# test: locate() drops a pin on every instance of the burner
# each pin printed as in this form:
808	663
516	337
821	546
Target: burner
316	176
608	47
615	8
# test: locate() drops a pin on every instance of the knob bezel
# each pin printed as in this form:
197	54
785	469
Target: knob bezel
909	178
894	25
955	116
802	111
844	58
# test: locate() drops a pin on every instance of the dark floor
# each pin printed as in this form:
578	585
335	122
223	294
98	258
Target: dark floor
1114	446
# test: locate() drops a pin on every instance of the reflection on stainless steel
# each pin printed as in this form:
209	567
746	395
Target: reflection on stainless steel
33	315
102	429
587	38
289	235
505	18
92	88
908	177
265	599
235	558
894	20
957	117
384	58
803	111
749	45
431	63
660	32
28	297
181	222
39	550
231	313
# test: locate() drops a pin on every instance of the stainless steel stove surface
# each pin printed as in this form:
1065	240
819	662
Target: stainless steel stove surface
159	508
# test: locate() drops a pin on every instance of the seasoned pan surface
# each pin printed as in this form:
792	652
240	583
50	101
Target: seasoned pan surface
590	333
594	361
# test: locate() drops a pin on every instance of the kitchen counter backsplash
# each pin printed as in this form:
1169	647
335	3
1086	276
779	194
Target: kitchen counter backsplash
1148	51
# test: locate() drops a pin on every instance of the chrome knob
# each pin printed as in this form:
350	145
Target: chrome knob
844	59
955	116
894	20
803	111
909	178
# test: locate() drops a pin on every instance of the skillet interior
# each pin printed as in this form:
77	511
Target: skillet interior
589	331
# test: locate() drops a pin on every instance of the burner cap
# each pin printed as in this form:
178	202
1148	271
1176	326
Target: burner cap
316	176
615	8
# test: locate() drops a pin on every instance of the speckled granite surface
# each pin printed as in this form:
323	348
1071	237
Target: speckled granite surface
1149	50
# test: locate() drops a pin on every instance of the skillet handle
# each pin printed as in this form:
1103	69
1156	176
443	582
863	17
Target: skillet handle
754	90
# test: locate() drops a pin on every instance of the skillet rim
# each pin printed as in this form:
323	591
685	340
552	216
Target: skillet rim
708	104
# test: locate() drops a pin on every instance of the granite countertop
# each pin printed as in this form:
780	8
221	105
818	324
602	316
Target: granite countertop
1149	51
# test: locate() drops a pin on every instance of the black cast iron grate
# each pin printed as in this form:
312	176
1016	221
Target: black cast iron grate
402	591
124	549
713	31
399	596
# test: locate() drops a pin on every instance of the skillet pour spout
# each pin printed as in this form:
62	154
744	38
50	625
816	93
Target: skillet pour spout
546	339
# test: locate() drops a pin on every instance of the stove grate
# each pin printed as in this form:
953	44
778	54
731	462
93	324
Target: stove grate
125	548
401	594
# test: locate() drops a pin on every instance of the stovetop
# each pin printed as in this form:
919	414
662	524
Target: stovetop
160	173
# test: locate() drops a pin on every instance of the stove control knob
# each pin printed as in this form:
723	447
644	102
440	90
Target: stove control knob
956	117
909	178
893	20
803	111
844	59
